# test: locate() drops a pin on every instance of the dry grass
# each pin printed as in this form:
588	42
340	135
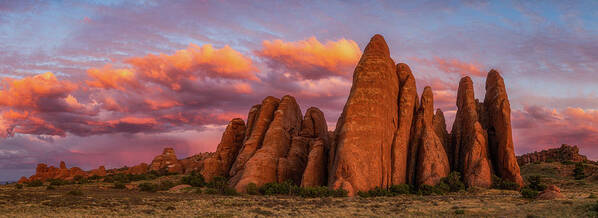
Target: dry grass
98	200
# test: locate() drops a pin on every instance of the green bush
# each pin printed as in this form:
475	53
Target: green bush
529	193
119	185
58	182
439	189
195	180
228	191
252	189
94	177
50	187
459	211
35	183
19	186
594	207
402	189
285	188
578	172
75	192
148	187
592	196
218	182
535	183
211	191
499	183
453	181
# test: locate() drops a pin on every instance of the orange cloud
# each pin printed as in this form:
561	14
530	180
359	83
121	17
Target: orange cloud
194	62
312	59
109	78
27	92
453	65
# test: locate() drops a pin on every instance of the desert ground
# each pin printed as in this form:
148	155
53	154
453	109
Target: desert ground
99	199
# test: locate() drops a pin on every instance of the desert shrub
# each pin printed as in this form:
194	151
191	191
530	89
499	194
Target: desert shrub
19	186
535	183
35	183
228	191
210	191
50	187
594	207
285	188
499	183
148	187
321	191
79	179
58	182
567	162
166	184
460	211
578	172
94	177
529	193
119	185
592	196
160	173
453	181
194	179
402	189
75	192
252	189
440	189
218	182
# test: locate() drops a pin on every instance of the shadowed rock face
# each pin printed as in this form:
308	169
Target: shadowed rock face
220	162
432	163
470	147
263	166
407	106
363	163
500	136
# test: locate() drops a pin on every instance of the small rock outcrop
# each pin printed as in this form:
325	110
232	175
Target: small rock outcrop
563	153
166	161
550	193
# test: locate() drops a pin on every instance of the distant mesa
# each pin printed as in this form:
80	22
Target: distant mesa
560	154
386	135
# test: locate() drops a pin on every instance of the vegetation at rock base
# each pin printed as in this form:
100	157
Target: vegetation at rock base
499	183
34	183
194	179
578	172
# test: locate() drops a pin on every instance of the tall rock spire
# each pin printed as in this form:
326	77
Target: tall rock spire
500	136
470	148
407	107
363	143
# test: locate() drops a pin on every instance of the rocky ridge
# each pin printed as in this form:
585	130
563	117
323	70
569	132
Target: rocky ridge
563	153
406	140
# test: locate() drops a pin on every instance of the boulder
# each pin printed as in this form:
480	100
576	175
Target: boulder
262	167
550	193
363	163
230	144
179	187
500	136
168	161
432	162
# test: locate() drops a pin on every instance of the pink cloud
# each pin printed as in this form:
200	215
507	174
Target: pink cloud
453	65
311	59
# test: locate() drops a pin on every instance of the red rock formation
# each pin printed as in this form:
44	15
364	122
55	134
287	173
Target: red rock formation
263	166
23	180
220	162
101	171
440	129
362	163
432	162
168	161
470	147
256	131
563	153
407	106
142	168
315	173
500	136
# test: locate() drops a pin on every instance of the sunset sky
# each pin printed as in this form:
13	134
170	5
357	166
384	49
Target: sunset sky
113	82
